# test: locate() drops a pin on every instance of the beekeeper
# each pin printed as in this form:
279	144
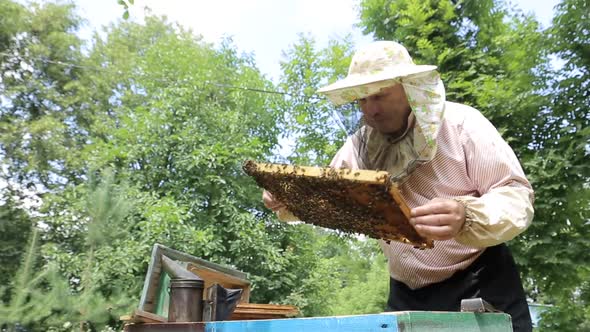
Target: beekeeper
463	182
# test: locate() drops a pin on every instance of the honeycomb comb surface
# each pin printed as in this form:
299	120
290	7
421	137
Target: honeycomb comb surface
351	201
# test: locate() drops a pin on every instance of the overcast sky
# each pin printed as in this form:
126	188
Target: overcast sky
262	27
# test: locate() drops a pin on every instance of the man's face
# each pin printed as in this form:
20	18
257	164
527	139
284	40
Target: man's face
388	110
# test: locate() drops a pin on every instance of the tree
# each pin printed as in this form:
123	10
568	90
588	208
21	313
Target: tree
564	173
366	293
315	127
41	126
175	118
183	126
43	298
15	226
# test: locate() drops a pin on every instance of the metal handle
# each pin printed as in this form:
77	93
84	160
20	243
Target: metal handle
477	305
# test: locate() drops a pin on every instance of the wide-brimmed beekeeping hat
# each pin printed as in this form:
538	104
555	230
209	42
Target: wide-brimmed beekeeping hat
376	66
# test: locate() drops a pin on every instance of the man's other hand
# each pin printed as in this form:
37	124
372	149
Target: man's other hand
270	202
440	219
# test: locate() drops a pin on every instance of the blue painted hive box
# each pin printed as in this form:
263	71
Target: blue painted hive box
405	321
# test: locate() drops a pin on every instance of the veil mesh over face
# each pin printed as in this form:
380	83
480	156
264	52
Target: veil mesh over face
417	145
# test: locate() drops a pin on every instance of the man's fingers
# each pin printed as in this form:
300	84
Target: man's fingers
433	207
434	220
439	219
270	202
439	233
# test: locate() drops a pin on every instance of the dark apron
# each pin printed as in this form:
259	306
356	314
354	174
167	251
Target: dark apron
493	276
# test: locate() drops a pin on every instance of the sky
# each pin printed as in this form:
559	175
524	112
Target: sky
264	28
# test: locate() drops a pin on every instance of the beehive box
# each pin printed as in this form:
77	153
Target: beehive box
353	201
402	321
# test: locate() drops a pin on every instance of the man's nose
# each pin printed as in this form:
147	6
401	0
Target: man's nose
370	107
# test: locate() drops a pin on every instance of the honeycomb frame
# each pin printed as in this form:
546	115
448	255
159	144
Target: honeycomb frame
351	201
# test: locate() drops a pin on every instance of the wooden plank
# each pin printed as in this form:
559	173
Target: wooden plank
184	257
147	317
218	276
248	311
140	316
352	201
267	306
394	192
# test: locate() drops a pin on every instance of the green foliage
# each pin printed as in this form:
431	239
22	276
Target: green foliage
15	226
125	4
317	291
19	307
38	113
316	128
183	146
350	278
367	293
564	172
42	296
361	279
105	208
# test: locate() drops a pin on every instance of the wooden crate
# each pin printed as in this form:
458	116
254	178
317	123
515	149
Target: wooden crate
353	201
154	296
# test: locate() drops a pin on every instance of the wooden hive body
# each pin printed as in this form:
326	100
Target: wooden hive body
352	201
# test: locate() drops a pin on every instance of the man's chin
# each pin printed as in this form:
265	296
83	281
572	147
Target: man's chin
383	129
386	130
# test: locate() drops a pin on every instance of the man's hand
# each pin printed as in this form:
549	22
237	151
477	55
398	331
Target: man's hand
270	202
440	219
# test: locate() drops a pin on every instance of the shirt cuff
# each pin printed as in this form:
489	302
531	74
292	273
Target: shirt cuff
469	214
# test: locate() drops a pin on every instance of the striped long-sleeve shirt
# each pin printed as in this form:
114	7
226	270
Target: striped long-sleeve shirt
475	166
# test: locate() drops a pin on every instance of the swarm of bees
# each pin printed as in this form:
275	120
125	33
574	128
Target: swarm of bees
351	201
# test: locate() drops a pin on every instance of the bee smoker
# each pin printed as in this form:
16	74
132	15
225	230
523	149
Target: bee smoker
186	300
